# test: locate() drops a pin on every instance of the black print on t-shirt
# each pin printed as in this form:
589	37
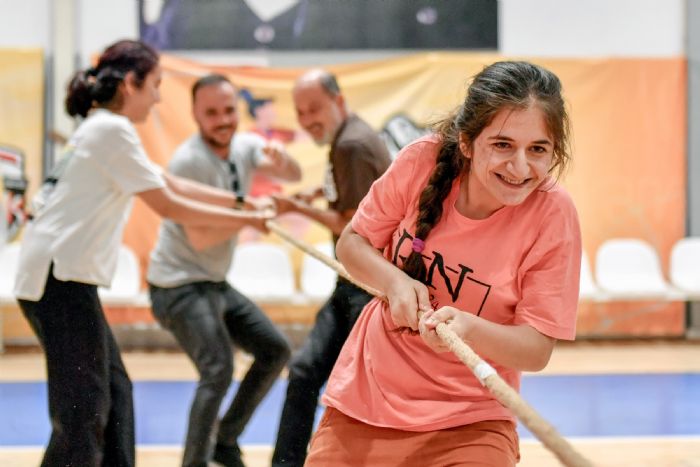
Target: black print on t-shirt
457	280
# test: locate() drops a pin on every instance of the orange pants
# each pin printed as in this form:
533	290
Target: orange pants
344	441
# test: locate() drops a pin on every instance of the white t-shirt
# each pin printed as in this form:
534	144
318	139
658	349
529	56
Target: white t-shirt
80	226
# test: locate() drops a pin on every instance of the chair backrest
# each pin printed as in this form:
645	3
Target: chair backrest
9	261
263	272
588	290
126	284
317	279
630	268
685	265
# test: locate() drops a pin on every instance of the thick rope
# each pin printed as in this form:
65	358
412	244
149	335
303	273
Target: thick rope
505	394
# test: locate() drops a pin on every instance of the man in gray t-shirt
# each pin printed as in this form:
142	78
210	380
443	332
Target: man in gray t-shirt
187	277
175	260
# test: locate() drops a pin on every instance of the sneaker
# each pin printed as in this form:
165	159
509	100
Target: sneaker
227	455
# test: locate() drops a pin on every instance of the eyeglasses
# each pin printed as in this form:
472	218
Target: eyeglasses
235	185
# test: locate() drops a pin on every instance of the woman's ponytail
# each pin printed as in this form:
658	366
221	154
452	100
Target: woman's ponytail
79	95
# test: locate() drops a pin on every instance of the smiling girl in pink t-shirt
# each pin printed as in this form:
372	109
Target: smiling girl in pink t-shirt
468	222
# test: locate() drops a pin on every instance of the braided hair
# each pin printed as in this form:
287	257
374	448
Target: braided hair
502	85
98	86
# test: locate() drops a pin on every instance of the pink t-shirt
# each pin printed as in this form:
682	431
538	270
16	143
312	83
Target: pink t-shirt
519	266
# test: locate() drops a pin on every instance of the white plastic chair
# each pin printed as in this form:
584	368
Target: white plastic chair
126	285
588	290
629	269
685	266
262	272
317	279
9	259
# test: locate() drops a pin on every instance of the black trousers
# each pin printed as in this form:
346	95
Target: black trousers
205	318
310	368
89	391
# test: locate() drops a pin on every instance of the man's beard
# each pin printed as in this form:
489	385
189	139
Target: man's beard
324	139
214	142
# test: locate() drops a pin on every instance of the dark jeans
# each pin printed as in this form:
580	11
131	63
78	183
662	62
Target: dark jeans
310	368
90	401
205	318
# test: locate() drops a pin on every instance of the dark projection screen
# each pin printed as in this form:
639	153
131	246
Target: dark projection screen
319	24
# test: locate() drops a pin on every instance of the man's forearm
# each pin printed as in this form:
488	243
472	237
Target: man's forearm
202	238
199	191
331	219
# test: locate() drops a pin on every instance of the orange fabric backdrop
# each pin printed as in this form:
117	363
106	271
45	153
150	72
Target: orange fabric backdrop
22	107
629	118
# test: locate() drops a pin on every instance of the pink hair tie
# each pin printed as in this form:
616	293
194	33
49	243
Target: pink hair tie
418	245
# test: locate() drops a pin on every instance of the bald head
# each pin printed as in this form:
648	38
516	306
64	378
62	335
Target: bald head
319	77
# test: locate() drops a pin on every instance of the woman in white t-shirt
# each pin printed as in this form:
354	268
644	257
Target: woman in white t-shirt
71	248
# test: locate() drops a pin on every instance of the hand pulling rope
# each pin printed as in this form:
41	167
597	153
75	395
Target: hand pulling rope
505	394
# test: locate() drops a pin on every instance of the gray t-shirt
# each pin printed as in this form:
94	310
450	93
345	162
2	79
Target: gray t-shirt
174	261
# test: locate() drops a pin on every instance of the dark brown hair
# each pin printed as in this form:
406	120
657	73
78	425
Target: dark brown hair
502	85
208	80
98	86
